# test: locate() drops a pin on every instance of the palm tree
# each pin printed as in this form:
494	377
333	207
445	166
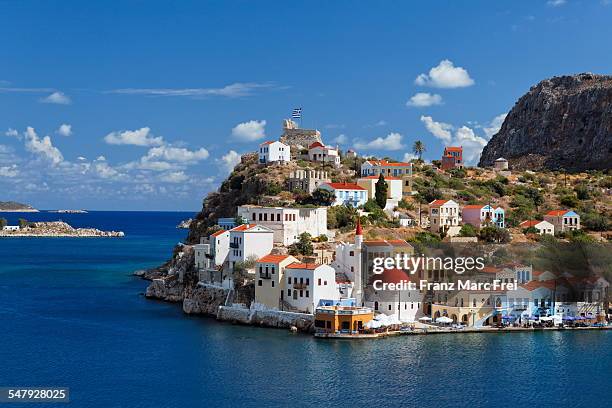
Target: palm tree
418	148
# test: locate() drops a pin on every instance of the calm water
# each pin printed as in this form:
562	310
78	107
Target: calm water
71	315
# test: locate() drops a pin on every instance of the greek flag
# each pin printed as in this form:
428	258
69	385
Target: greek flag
297	113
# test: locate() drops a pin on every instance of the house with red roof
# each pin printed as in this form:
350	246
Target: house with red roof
249	241
443	214
452	158
400	170
563	220
480	215
270	280
394	186
347	193
543	227
318	152
274	152
390	293
305	284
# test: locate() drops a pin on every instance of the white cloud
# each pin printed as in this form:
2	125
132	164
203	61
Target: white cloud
64	130
495	125
249	131
58	98
409	156
377	124
140	137
43	147
556	3
9	171
230	160
445	75
440	130
103	169
340	139
174	177
176	154
424	99
471	143
234	90
11	133
393	141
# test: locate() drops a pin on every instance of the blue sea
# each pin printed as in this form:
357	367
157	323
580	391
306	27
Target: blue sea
72	315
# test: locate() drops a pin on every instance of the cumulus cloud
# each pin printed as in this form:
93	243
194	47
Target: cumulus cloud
42	147
409	156
471	143
64	130
9	171
58	98
495	125
249	131
230	160
424	99
393	141
440	130
176	154
174	177
140	137
340	139
11	133
101	168
445	75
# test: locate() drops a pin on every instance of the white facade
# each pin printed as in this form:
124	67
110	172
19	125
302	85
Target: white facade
306	284
443	214
274	151
543	227
317	152
249	241
287	223
219	247
394	186
394	169
347	193
563	220
10	228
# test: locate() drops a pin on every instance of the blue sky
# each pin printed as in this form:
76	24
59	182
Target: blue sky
158	99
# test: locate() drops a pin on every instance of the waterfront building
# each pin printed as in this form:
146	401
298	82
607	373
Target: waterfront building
404	304
274	152
287	223
443	214
394	186
347	193
318	152
563	220
543	227
306	284
249	241
348	262
11	228
474	308
452	158
483	215
269	280
336	319
307	180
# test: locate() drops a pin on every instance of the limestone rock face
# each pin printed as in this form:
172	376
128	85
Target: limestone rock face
561	123
299	138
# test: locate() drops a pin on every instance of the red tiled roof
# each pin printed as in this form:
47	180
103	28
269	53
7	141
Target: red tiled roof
300	265
529	223
453	149
273	258
345	186
376	177
556	213
243	227
316	144
391	276
268	142
216	234
385	163
491	269
533	285
398	242
379	242
473	206
437	203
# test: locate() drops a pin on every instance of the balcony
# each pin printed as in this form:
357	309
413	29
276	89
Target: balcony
300	286
234	245
264	275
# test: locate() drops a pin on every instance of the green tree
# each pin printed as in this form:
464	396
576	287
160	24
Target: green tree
3	223
495	235
303	246
323	197
381	191
468	230
23	223
418	148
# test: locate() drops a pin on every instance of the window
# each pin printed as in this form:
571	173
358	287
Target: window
325	283
319	281
307	292
278	217
289	280
352	253
307	281
259	283
301	293
301	280
389	307
288	292
272	283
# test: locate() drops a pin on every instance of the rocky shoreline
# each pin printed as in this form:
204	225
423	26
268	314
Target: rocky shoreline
59	229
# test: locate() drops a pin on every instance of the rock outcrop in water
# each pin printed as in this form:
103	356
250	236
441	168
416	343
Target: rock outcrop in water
561	123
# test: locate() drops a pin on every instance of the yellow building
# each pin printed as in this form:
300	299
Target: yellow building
469	307
269	282
342	319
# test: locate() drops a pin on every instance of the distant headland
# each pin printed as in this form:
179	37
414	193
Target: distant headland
13	206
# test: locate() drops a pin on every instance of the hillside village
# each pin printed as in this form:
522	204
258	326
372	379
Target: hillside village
295	228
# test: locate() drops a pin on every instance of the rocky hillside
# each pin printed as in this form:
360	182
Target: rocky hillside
561	123
12	206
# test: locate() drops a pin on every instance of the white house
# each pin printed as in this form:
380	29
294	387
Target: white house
347	193
307	283
387	168
274	151
443	214
404	304
480	215
287	223
318	152
249	241
348	262
10	228
269	280
563	220
394	186
543	227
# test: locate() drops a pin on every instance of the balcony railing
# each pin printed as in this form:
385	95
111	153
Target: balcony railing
264	275
234	245
299	286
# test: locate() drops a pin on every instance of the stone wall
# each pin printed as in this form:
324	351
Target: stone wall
267	318
204	299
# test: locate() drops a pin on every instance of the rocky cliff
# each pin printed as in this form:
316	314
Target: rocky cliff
562	122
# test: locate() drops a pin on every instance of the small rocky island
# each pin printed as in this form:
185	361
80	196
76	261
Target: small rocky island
13	206
57	229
